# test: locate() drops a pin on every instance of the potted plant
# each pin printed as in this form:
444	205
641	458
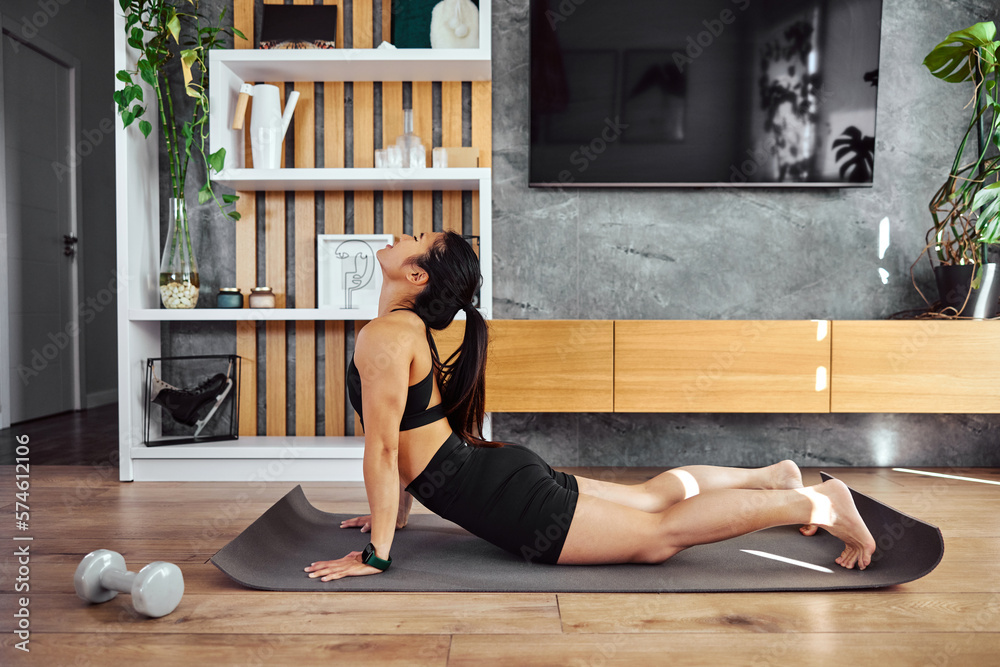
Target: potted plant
162	31
966	208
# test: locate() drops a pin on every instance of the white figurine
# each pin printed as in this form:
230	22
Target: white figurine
455	25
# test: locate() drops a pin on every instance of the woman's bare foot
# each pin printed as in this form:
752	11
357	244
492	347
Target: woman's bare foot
834	510
786	475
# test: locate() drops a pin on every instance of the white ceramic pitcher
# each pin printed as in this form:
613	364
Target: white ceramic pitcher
268	125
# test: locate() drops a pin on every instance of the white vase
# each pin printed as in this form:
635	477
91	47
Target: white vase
268	125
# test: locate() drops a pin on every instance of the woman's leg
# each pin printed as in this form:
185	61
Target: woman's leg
673	486
606	532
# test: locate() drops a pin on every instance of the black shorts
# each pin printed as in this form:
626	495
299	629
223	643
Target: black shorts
506	495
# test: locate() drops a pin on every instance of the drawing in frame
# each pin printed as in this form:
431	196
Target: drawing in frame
348	274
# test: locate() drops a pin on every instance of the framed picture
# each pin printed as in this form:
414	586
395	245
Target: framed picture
348	274
299	27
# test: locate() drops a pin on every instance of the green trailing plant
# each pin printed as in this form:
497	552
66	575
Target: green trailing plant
161	31
966	208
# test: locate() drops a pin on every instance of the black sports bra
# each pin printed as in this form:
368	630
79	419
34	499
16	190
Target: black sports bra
415	413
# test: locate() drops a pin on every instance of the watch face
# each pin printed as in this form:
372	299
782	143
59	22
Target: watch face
368	553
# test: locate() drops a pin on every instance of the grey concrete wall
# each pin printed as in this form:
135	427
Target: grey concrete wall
83	28
711	254
736	254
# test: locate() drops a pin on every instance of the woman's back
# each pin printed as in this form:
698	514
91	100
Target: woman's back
396	348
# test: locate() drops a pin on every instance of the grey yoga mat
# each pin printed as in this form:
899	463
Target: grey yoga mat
432	554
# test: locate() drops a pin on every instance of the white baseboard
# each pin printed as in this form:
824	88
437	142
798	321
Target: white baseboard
98	398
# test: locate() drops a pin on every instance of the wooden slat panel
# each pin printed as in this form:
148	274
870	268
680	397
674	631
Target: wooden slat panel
246	254
545	365
364	128
722	366
276	354
451	135
362	28
392	127
274	269
387	20
916	366
423	119
246	332
364	121
336	372
334	337
482	121
340	20
482	135
305	260
243	21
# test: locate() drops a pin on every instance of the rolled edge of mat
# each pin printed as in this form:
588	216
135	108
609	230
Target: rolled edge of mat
918	545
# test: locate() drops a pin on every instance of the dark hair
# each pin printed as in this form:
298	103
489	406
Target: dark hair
453	277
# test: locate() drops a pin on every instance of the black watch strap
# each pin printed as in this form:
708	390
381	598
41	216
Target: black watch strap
368	557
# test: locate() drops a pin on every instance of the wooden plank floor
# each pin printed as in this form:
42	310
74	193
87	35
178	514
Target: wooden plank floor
951	617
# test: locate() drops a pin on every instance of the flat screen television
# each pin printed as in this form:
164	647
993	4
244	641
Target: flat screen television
703	92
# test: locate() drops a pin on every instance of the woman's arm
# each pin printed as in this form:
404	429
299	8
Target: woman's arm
405	502
384	366
383	360
402	514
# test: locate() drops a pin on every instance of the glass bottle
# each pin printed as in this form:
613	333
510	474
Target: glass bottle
178	268
414	154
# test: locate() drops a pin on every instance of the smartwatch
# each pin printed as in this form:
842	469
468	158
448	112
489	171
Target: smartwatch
368	557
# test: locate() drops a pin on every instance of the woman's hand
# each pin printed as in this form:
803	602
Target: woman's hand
366	522
348	566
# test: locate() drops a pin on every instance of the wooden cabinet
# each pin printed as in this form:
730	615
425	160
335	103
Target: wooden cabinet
722	366
545	365
935	366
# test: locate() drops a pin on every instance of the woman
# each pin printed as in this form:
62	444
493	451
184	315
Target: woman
413	402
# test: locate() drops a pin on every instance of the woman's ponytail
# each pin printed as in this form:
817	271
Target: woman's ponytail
453	279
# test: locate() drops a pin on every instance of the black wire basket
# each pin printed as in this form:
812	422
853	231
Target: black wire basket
191	399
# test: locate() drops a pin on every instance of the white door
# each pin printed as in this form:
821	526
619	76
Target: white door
41	263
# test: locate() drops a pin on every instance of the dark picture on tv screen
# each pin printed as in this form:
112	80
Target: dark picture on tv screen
703	92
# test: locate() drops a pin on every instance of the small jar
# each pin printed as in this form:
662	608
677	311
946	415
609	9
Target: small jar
261	297
229	297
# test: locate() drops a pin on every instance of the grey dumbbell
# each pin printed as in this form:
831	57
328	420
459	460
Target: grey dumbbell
156	589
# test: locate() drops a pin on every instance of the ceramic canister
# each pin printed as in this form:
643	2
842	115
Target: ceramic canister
261	297
229	297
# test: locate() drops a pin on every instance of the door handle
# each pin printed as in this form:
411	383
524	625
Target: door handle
69	244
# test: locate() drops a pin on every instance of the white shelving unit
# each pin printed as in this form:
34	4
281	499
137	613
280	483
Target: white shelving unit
357	64
257	314
354	179
259	458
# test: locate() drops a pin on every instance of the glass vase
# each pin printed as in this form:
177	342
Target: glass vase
178	268
409	144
